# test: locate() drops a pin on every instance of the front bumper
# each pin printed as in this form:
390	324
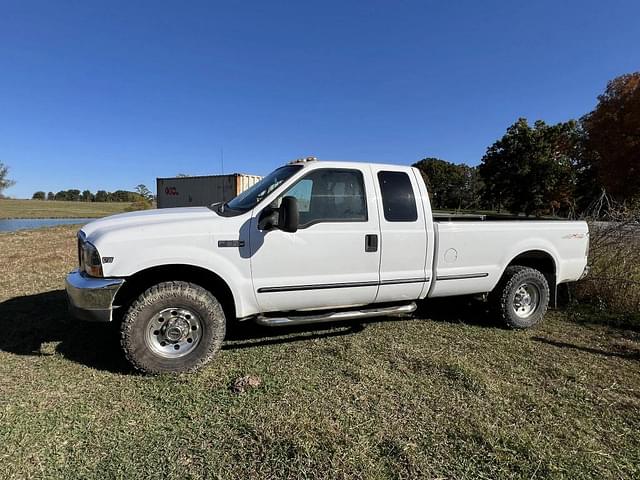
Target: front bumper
91	299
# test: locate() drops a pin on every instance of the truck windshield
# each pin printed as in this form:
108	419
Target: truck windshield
254	195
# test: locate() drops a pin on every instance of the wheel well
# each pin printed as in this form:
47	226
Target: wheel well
140	281
541	261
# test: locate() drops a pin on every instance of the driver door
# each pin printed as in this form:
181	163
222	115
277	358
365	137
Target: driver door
329	262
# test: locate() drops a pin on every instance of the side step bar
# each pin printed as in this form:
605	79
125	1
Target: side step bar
397	310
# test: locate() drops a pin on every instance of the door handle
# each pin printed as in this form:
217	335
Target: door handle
371	243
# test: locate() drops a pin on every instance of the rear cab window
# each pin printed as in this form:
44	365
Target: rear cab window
398	198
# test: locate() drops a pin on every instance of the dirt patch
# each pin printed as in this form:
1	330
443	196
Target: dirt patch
243	384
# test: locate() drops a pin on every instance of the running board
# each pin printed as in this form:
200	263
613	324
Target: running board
397	310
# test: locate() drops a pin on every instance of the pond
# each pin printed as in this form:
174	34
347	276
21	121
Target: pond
11	225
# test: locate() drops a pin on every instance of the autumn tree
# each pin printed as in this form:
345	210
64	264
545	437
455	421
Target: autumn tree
613	137
531	168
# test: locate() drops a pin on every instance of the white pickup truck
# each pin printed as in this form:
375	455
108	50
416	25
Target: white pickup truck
313	241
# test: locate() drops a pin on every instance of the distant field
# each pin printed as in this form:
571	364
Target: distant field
447	394
58	209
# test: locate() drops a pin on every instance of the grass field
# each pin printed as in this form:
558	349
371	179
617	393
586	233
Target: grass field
445	395
58	209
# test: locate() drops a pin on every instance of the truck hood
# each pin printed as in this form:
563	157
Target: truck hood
184	236
144	222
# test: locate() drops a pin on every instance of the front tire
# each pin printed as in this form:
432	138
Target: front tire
522	297
173	327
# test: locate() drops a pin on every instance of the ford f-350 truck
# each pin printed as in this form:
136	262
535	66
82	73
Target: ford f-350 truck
313	241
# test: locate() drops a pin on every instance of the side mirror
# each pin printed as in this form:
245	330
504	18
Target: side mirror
289	217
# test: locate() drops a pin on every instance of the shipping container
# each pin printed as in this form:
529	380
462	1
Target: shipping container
201	190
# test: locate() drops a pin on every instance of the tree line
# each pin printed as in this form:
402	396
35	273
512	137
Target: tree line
559	169
141	193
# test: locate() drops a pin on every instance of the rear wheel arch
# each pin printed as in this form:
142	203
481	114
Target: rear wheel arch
542	261
140	281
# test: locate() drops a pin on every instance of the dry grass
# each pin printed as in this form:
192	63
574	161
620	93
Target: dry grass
612	289
445	395
58	209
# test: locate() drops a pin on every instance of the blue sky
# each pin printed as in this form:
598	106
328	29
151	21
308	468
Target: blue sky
106	95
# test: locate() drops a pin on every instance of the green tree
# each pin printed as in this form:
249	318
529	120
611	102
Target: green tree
532	169
39	195
101	196
5	181
73	195
123	196
473	187
588	187
613	138
61	195
51	196
144	192
86	196
450	186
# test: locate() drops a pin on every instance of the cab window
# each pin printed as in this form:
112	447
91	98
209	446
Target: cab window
329	195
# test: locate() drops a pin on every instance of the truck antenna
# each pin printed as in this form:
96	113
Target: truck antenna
224	198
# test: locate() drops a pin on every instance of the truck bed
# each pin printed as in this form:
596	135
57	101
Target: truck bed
471	252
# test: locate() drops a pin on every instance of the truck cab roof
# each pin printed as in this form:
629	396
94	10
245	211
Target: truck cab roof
316	163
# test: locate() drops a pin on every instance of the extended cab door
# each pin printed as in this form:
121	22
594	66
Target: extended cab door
404	270
333	259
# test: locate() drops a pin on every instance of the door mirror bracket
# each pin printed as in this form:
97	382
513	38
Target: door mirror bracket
268	219
285	218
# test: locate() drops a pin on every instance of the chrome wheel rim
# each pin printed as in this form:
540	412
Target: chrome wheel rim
526	300
174	332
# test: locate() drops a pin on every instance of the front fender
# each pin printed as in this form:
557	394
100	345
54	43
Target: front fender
227	263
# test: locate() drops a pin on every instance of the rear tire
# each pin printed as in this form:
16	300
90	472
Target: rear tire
173	327
522	297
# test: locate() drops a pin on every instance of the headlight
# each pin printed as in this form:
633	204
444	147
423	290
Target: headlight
90	261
